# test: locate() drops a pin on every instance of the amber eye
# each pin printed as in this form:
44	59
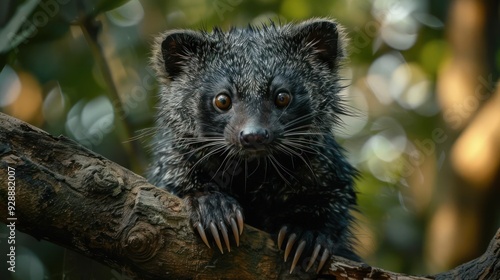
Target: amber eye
283	99
222	102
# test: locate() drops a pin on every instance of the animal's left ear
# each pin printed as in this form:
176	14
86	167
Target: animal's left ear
324	38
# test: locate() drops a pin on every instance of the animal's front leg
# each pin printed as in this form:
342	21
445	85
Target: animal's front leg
217	213
312	227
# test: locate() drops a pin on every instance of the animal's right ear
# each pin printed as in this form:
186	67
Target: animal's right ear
324	38
174	50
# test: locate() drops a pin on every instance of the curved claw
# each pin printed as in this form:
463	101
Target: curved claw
239	217
234	228
202	234
223	230
215	234
289	245
299	251
281	236
323	259
314	256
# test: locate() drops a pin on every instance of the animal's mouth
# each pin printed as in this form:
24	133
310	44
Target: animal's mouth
254	152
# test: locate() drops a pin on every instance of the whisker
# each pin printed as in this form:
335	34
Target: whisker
206	156
234	169
223	163
307	146
246	174
275	163
300	128
299	119
289	150
197	149
302	143
215	135
255	169
303	133
143	133
191	141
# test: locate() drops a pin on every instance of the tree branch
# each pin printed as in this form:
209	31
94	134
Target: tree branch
73	197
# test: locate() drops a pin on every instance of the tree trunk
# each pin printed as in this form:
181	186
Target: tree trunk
54	189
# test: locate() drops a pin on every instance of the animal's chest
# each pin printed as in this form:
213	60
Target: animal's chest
260	188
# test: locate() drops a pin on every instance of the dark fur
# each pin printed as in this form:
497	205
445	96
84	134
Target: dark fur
301	177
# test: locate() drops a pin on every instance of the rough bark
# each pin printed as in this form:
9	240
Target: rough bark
73	197
486	266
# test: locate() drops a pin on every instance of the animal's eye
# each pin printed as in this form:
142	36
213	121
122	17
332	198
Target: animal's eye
222	102
282	99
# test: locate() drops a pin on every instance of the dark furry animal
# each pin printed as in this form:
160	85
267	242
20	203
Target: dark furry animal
245	128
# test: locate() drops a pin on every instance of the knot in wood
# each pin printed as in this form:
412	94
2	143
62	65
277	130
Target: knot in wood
142	242
103	180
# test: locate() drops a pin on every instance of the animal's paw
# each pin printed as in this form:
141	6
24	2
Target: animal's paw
215	212
305	245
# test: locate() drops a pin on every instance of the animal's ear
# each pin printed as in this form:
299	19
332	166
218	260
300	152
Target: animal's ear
174	50
324	38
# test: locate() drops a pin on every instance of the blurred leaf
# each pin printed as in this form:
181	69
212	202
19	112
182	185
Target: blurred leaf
47	20
54	105
76	10
106	5
10	30
128	14
6	11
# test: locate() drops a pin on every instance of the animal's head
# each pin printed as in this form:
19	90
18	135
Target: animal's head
252	91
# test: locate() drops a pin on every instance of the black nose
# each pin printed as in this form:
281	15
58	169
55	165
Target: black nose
254	136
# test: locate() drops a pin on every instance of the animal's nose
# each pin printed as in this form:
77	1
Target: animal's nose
254	136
